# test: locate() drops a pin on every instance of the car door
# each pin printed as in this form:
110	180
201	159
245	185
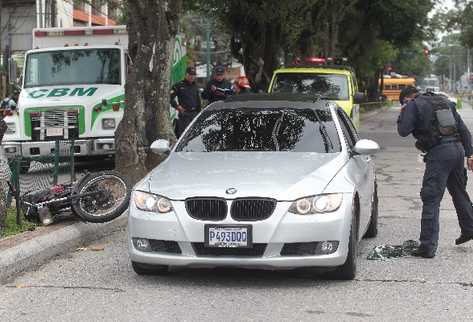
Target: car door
360	168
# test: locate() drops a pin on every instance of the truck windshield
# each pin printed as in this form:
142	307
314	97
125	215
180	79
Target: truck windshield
77	66
328	86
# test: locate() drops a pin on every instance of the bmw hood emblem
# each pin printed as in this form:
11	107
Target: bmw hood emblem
231	191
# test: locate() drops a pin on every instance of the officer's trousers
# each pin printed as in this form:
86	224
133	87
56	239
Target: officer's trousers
444	168
184	119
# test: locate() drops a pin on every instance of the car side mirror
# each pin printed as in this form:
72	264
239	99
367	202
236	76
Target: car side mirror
366	147
12	71
359	98
160	146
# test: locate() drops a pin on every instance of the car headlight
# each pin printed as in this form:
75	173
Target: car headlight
153	203
108	124
317	204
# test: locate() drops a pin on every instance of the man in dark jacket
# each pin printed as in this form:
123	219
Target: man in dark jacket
218	88
443	136
185	99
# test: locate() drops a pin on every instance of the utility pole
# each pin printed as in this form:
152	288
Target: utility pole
468	63
1	34
207	43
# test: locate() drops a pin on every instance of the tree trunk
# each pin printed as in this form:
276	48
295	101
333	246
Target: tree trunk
152	27
373	88
4	177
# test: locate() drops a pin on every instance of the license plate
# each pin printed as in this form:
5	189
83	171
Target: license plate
228	236
54	131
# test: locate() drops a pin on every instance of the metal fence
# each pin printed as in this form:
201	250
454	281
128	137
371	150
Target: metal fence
31	173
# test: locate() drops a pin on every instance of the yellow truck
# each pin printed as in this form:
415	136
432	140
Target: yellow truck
332	82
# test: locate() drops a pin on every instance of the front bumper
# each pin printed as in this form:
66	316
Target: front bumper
82	147
281	228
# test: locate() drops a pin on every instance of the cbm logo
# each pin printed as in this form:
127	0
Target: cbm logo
63	91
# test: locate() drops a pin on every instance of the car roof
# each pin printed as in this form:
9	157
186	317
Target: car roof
265	101
315	69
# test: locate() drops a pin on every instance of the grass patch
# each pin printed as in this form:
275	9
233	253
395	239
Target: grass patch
12	228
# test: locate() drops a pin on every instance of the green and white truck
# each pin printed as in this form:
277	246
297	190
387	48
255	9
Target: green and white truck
73	87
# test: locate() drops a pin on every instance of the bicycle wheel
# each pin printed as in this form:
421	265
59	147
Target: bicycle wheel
101	197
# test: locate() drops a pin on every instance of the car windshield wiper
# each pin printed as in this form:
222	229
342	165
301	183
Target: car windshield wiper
276	128
324	133
319	96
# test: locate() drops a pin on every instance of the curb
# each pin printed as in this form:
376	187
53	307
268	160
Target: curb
39	250
370	114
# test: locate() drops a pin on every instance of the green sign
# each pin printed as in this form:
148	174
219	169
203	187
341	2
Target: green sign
64	91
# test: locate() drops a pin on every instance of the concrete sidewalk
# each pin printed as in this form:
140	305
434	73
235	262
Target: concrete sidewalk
33	248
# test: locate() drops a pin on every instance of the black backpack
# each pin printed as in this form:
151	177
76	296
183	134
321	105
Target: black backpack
437	120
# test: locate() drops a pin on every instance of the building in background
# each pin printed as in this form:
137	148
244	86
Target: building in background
19	17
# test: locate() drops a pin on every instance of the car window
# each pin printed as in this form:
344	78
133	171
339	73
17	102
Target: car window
355	83
347	127
250	129
329	86
351	126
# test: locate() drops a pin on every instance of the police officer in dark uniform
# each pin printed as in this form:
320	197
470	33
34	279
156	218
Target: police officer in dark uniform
218	88
185	98
446	141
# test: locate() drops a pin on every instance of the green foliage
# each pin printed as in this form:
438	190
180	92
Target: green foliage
11	228
412	61
372	33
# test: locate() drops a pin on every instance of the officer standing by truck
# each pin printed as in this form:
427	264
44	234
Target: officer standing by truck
446	141
218	88
185	98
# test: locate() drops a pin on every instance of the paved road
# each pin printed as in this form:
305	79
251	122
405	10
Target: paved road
100	285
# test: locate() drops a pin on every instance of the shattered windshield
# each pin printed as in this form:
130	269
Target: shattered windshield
245	129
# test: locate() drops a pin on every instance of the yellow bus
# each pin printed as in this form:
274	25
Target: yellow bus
393	86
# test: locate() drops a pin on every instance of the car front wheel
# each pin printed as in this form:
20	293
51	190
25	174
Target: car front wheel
372	230
348	270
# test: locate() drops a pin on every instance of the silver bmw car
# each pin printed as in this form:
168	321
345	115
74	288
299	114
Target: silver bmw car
266	181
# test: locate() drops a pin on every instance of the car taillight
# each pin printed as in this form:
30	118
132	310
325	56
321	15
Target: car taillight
7	113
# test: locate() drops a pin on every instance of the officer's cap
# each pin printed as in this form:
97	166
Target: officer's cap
219	70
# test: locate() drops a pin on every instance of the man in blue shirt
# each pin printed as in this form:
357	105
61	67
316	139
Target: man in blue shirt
444	164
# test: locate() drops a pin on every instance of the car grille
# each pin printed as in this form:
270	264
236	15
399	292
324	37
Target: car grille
256	251
207	208
252	209
65	119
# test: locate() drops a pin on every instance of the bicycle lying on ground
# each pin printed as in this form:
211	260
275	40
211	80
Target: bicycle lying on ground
97	197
